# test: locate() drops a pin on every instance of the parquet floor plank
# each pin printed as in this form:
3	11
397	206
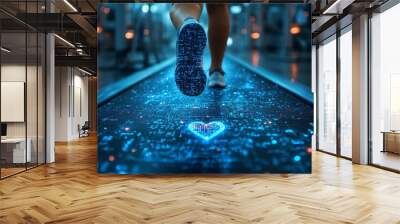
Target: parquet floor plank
70	191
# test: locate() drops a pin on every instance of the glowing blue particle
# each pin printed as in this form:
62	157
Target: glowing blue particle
297	142
103	167
291	131
126	145
229	41
274	142
296	158
107	138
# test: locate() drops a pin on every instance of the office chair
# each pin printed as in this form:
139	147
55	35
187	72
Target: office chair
84	130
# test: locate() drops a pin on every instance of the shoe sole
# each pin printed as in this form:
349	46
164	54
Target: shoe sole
216	86
189	74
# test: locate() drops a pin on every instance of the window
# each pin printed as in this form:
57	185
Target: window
22	77
346	93
385	89
327	96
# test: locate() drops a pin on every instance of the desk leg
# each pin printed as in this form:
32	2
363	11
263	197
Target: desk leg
384	143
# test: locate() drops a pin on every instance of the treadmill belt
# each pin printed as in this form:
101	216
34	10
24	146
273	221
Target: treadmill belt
261	128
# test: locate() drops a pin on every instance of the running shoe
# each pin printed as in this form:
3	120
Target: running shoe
189	74
217	79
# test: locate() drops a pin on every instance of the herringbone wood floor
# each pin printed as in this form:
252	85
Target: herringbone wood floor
70	191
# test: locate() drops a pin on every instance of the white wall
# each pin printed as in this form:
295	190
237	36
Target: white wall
16	72
13	100
71	94
62	81
80	110
10	73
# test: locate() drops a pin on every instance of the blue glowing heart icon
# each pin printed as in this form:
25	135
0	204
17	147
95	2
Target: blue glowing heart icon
206	131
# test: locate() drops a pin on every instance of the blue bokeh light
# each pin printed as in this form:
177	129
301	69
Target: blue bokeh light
145	8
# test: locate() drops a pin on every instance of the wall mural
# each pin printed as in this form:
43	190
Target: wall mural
204	88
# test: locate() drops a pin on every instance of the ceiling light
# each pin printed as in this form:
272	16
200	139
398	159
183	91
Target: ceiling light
70	5
65	41
337	7
5	50
79	51
331	7
84	71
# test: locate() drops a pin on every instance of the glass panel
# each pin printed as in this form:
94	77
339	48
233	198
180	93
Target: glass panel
346	94
385	84
327	96
32	89
13	88
31	100
41	99
23	88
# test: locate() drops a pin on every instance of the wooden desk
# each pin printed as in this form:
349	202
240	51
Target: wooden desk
16	147
391	141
